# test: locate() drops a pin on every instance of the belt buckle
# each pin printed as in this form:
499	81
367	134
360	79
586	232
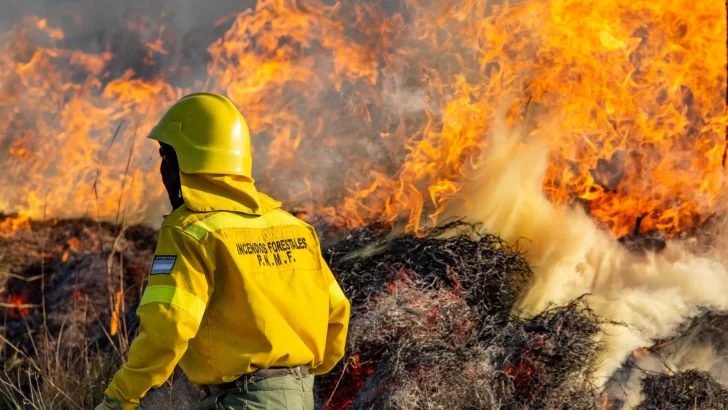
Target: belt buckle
253	378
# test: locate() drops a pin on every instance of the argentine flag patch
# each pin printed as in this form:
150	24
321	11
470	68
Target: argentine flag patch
163	264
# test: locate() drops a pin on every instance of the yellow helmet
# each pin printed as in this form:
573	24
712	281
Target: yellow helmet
209	135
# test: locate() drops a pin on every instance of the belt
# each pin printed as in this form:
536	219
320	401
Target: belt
256	376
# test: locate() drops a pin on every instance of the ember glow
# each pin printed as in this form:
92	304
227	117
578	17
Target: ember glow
364	112
15	306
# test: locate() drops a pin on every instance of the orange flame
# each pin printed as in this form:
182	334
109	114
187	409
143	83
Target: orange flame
641	352
17	307
11	225
362	112
115	314
648	350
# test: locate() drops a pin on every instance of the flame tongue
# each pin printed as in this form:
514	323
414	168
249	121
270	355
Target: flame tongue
644	100
384	109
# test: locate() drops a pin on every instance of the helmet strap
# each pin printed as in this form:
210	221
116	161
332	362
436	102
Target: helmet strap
170	175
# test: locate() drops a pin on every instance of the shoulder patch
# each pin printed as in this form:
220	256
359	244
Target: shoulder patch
163	264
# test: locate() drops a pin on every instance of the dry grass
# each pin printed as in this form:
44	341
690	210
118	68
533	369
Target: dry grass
430	326
62	348
60	376
431	320
62	381
691	389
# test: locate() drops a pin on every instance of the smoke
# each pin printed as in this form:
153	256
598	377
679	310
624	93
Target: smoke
687	355
113	65
702	347
88	16
185	27
367	107
653	295
145	55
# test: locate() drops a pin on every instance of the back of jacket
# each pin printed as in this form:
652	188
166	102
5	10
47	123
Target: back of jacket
230	293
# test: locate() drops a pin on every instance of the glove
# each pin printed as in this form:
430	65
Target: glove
109	404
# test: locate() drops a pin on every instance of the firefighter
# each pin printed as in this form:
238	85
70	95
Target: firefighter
238	294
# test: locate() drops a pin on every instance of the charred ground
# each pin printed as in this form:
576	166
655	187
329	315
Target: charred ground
433	323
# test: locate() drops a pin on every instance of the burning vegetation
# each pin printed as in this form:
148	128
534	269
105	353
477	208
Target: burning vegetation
629	95
433	324
691	389
376	122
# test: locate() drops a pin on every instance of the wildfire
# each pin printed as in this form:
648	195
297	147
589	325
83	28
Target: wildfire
363	112
641	352
342	395
115	314
11	225
645	351
16	306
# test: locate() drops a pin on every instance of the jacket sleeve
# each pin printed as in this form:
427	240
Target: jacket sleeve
339	310
170	313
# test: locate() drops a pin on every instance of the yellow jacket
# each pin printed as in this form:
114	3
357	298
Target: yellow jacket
236	285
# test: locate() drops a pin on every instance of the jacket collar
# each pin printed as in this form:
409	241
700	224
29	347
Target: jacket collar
208	192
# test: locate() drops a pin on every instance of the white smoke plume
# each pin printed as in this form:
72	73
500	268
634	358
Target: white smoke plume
652	293
686	354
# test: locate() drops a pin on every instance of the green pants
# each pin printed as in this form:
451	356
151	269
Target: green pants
277	393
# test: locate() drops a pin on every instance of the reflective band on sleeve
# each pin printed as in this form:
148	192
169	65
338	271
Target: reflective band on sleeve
176	297
220	220
200	229
336	295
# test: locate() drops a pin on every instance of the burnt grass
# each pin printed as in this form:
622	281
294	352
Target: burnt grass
691	389
71	265
78	259
433	326
433	323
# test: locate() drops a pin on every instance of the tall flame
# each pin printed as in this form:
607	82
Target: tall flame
366	111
